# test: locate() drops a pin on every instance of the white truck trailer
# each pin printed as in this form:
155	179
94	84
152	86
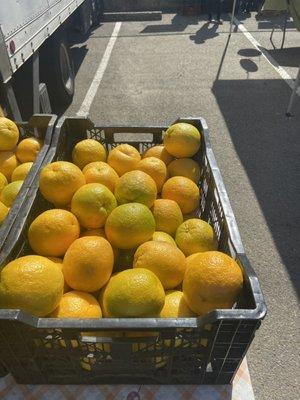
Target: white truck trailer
37	30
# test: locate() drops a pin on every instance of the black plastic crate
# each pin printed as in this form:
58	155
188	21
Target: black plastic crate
41	127
202	350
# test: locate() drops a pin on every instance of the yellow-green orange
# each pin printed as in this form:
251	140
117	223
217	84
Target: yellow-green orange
20	173
136	187
213	280
59	181
87	151
160	236
175	306
100	172
77	304
160	152
185	167
123	158
129	225
9	134
184	191
8	162
52	232
194	236
31	283
156	168
182	140
165	260
167	215
3	181
28	149
10	192
92	203
88	263
134	293
3	212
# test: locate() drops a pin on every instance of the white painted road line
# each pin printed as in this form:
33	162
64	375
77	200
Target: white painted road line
91	93
281	71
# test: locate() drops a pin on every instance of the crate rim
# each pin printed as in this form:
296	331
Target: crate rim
255	314
33	122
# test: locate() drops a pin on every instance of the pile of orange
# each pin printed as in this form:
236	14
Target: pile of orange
119	241
16	159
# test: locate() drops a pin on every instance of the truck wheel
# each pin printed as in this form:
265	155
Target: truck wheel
60	77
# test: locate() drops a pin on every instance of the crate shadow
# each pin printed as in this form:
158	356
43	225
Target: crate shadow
268	143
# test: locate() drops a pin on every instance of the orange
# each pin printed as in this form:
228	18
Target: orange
9	134
175	306
133	293
123	158
58	261
167	215
94	232
165	260
100	172
191	257
20	173
129	225
3	181
87	151
10	192
76	304
184	191
28	149
59	181
52	232
136	187
8	162
88	263
159	236
156	168
213	280
194	236
185	167
3	212
92	203
100	232
182	140
160	152
33	284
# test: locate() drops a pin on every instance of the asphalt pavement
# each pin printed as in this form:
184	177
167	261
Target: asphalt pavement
181	66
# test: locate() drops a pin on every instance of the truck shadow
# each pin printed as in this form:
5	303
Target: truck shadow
268	144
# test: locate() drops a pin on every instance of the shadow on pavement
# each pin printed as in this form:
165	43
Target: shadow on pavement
178	24
207	31
248	65
249	53
289	57
268	144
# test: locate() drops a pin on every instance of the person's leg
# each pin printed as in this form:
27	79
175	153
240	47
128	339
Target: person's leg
209	9
248	6
218	10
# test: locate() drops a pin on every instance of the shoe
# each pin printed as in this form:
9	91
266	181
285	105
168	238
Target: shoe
219	22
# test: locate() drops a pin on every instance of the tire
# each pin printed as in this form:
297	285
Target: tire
58	72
